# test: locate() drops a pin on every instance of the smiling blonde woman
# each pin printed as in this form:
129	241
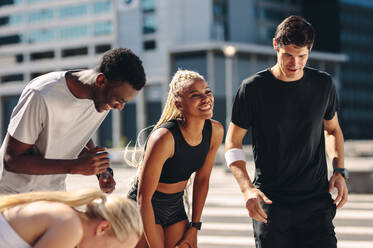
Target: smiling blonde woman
184	141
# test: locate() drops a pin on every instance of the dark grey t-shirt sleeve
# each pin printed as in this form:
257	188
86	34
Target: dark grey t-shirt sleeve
242	114
332	102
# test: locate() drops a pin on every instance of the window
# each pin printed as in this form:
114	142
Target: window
149	24
149	45
73	11
102	28
101	7
8	103
74	32
9	2
153	96
11	78
40	15
77	51
42	55
129	121
35	1
10	39
219	23
102	48
19	58
37	74
41	36
148	5
11	20
105	132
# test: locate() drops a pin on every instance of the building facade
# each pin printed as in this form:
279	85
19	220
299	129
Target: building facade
37	36
356	39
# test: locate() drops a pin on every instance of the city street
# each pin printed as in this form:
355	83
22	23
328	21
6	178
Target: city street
226	222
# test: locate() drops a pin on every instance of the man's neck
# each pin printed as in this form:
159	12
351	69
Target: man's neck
80	83
280	75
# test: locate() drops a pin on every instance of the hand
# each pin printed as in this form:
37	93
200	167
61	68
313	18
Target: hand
85	150
339	182
107	182
189	239
94	161
254	197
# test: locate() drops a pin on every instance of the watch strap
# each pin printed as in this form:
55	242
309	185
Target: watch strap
196	225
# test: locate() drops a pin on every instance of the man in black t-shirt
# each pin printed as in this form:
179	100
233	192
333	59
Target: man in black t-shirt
288	107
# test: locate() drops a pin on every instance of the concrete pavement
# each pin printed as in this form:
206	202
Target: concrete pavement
226	223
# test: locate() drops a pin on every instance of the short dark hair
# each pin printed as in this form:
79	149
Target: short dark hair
295	30
121	64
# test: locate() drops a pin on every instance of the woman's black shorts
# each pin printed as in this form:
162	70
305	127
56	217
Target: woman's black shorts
168	208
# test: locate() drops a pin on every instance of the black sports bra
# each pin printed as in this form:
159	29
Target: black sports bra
186	159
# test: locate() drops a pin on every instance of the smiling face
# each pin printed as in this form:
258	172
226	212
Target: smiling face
112	95
291	61
196	100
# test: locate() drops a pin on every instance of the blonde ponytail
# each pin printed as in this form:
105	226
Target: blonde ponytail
72	199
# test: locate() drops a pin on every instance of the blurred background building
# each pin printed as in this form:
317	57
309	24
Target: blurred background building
224	40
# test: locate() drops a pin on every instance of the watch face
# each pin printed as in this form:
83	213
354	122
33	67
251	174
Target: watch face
343	171
346	174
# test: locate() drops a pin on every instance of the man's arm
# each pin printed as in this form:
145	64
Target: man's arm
20	157
252	195
335	148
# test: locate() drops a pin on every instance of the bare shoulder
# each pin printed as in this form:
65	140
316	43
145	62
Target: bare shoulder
160	144
161	136
217	125
62	226
55	213
217	132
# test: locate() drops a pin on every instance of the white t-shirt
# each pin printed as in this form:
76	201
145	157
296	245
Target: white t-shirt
8	237
59	124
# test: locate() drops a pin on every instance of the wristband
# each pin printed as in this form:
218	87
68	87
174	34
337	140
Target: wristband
233	155
108	169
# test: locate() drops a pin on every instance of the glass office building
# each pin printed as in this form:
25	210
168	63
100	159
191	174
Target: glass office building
40	36
356	37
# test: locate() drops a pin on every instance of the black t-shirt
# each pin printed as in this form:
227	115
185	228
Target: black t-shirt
288	132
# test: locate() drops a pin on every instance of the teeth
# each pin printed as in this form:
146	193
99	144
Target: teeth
206	108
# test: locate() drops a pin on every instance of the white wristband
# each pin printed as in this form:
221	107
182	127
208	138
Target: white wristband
233	155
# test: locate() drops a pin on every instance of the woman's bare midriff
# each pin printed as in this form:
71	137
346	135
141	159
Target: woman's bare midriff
171	188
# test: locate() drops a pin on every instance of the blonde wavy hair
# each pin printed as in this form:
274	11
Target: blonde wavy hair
121	212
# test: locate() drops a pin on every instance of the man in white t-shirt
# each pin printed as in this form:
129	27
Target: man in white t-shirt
49	134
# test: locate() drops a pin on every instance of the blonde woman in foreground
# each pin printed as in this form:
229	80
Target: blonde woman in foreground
50	220
185	140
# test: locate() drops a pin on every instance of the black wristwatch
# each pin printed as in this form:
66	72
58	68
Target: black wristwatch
342	171
108	169
196	225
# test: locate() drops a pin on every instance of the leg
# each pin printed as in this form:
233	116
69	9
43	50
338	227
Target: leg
277	232
174	233
268	236
144	244
318	230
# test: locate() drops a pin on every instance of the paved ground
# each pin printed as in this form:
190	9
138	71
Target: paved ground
226	223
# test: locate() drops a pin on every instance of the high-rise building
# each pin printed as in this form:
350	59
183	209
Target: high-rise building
37	36
356	38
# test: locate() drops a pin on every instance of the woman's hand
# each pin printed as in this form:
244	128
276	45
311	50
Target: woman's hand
189	239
